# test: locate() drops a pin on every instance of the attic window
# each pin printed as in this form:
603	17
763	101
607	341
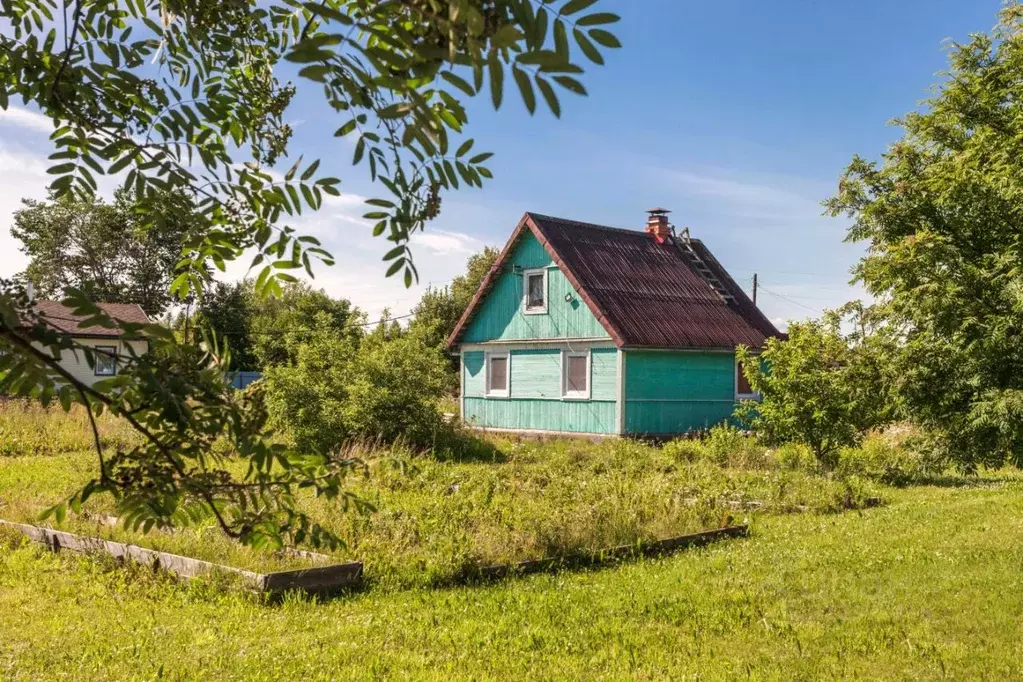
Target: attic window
535	284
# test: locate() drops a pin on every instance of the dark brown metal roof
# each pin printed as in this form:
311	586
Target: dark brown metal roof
61	318
645	293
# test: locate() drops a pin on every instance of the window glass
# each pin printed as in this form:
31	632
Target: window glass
498	375
575	374
106	362
535	290
742	383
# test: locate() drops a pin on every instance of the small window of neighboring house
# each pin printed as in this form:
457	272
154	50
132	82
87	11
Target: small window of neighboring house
536	291
742	388
106	361
575	375
497	374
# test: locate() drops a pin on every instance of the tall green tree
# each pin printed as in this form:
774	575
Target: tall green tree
440	308
226	310
172	96
108	250
941	214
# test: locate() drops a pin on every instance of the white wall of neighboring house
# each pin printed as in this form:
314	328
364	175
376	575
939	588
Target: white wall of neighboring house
79	367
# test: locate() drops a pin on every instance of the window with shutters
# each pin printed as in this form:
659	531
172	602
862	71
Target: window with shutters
575	374
498	373
535	284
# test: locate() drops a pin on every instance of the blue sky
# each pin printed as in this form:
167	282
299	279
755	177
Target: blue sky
739	116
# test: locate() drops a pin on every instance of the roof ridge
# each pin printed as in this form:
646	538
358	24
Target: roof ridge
593	226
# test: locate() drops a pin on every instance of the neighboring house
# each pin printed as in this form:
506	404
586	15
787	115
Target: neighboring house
581	328
107	342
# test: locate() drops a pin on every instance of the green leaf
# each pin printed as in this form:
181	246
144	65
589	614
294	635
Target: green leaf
549	96
573	6
458	82
561	39
464	148
310	170
591	52
604	38
496	81
570	83
526	88
599	18
395	267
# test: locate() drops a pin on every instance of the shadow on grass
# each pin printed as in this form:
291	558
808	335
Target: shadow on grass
463	447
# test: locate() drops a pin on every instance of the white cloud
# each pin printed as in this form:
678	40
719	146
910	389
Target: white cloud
22	175
26	118
358	273
439	241
771	199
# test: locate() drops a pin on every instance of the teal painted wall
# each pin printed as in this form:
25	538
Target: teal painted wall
669	392
500	314
535	401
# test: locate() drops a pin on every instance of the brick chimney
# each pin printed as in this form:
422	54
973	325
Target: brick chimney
657	224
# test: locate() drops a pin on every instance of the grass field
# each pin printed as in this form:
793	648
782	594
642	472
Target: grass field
927	587
435	520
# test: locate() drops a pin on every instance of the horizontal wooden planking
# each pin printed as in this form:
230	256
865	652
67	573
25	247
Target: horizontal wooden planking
680	376
579	416
663	417
500	314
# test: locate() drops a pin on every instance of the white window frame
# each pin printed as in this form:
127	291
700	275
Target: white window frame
107	353
576	395
526	274
490	392
742	396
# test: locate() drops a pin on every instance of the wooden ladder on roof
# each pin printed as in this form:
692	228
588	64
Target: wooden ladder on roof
685	245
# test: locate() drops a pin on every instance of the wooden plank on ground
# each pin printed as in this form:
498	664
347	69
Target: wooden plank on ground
318	579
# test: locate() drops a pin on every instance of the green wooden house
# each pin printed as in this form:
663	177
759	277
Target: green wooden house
585	329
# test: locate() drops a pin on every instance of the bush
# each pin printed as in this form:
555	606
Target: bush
725	445
885	459
341	388
819	387
796	457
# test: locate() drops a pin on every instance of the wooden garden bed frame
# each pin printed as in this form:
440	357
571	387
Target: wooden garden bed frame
318	579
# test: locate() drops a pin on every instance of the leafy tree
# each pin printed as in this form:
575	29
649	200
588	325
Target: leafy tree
169	96
941	215
280	323
819	387
341	388
441	308
226	311
109	251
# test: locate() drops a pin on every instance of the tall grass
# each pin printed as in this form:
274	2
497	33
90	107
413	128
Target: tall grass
26	429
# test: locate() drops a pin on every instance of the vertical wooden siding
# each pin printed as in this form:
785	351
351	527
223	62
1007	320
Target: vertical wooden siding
500	315
535	401
669	392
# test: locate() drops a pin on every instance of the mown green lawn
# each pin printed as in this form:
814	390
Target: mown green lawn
929	586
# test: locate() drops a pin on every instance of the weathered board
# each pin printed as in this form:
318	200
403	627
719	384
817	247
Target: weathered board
318	579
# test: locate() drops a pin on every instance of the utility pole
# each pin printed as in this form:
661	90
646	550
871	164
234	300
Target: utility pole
754	290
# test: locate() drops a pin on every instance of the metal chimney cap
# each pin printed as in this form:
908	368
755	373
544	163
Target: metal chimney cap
658	211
